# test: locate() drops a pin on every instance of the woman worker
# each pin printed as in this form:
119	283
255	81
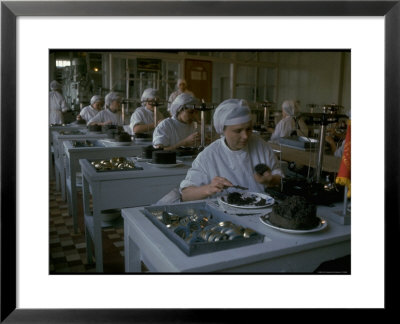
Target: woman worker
178	130
182	88
112	114
88	112
288	124
57	104
142	120
231	159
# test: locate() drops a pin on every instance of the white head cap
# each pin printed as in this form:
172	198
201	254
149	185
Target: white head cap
110	97
180	102
231	112
54	85
289	107
96	98
149	93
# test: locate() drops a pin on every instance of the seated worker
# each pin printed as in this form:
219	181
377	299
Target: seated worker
336	138
178	130
231	159
182	88
88	112
289	124
142	120
112	114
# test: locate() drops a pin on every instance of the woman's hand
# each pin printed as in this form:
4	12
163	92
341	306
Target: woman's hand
267	178
217	185
191	139
202	192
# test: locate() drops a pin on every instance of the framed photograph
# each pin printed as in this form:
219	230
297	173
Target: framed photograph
199	25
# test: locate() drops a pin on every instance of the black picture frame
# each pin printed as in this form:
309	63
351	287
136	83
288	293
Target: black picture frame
10	10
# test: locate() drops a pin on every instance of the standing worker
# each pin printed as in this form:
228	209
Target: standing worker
57	104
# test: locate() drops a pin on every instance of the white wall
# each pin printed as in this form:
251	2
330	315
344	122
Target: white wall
314	78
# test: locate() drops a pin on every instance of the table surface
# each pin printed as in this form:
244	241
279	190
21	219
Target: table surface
295	250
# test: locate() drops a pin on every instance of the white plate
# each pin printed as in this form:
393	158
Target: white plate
113	142
166	165
265	220
269	200
143	140
140	159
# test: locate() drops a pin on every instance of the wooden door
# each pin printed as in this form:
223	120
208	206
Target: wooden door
198	75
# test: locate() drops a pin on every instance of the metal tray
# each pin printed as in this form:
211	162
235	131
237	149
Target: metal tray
113	169
199	210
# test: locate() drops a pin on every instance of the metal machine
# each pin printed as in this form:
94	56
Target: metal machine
317	187
203	107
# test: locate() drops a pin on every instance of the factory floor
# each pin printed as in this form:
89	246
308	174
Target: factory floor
67	250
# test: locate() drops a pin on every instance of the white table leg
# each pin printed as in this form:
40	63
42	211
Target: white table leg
73	194
86	211
134	261
62	176
97	230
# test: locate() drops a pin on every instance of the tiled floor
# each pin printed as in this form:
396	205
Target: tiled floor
68	250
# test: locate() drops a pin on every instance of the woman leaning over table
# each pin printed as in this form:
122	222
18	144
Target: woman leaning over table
231	159
88	112
289	123
142	120
112	115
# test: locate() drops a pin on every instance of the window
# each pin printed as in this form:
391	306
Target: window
63	63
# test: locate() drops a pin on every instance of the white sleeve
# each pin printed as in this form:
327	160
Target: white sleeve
84	114
64	106
136	119
277	132
272	161
97	118
161	134
196	175
339	151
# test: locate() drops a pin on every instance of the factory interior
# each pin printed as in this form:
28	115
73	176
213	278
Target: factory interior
114	209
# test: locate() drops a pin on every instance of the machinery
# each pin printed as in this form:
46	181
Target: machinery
318	187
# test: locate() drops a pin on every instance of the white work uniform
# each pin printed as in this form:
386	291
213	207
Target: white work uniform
107	115
143	116
286	126
57	106
88	112
171	131
339	150
218	160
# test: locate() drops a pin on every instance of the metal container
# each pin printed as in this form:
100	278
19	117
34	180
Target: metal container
198	228
299	142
